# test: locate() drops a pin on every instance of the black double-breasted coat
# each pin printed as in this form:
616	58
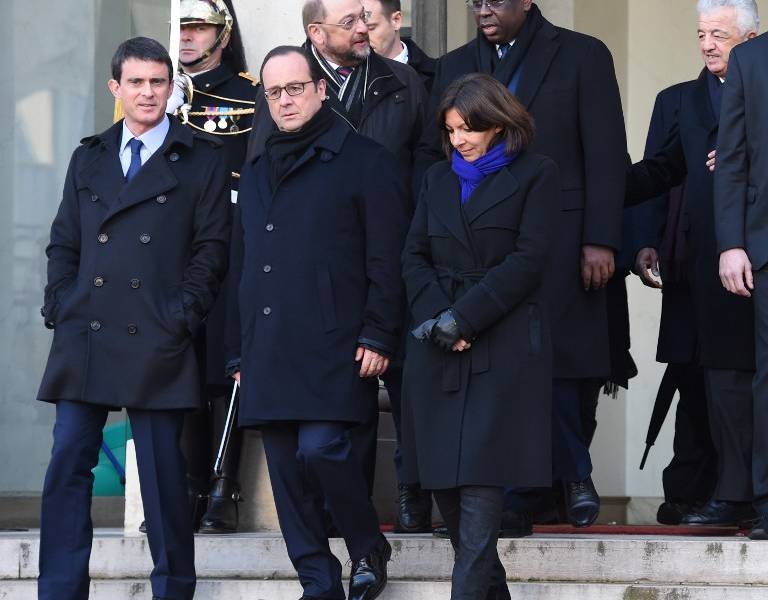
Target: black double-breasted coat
133	269
319	264
724	321
482	416
568	84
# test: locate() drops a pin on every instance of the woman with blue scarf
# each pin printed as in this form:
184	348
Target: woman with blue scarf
477	378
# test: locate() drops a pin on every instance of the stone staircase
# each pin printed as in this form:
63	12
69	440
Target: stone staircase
542	567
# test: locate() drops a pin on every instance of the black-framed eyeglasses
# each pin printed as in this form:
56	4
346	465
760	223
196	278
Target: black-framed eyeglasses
292	89
349	23
477	5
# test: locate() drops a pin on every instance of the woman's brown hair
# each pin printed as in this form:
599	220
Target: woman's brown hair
484	103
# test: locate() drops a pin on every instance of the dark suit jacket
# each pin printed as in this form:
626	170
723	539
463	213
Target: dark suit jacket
422	63
569	85
724	321
133	269
485	259
319	268
741	180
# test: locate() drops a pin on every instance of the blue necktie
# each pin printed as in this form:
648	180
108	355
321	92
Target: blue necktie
503	50
135	165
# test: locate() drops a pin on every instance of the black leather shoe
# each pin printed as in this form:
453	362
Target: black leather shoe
760	531
441	531
498	593
222	514
414	510
369	575
672	513
720	513
581	502
143	527
515	524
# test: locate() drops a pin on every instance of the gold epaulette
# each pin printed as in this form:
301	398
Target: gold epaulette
249	77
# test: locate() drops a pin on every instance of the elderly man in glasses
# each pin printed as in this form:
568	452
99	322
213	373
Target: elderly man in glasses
567	82
319	227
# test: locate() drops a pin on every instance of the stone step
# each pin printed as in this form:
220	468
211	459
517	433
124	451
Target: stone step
405	590
540	558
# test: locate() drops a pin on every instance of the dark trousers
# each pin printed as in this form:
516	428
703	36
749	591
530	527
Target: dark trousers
691	475
473	516
729	393
312	467
66	531
200	440
760	393
570	454
589	395
393	381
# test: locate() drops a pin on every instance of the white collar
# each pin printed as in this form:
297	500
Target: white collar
498	47
151	139
404	54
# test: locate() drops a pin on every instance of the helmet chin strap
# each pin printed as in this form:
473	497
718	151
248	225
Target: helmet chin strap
207	53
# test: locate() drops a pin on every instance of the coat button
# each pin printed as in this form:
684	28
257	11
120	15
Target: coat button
267	311
270	227
161	199
135	284
173	156
95	325
103	238
94	198
376	93
145	238
132	329
98	281
267	268
325	156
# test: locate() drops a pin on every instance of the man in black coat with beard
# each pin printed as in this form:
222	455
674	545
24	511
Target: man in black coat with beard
567	82
725	322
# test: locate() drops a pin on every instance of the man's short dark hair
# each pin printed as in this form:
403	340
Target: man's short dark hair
314	69
390	7
140	48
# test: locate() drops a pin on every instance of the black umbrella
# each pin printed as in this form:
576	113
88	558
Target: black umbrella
664	397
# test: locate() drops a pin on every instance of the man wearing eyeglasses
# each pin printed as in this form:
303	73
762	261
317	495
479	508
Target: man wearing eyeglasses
319	227
567	82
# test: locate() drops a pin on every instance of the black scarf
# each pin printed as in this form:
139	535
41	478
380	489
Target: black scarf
350	91
504	69
284	148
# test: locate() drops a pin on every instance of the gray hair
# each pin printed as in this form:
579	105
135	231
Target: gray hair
313	11
747	17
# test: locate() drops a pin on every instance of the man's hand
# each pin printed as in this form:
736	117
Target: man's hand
597	266
461	345
236	376
711	162
647	260
736	272
372	364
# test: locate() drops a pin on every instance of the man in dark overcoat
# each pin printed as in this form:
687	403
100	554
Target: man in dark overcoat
741	222
566	80
318	230
137	253
724	321
658	241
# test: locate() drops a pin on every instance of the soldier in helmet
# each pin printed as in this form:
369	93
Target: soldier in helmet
219	101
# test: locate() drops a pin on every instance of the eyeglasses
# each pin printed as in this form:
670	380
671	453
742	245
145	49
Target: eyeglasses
349	23
292	89
477	5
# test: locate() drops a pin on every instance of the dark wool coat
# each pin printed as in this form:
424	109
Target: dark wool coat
133	269
724	321
568	84
482	416
320	275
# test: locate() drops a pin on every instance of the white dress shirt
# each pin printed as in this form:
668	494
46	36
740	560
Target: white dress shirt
403	56
498	47
151	142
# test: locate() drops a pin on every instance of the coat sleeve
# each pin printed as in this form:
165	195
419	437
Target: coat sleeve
426	297
385	220
732	162
605	147
209	247
63	251
521	272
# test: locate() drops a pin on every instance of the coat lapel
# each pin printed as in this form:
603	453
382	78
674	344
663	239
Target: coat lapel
103	174
536	64
703	103
447	208
491	192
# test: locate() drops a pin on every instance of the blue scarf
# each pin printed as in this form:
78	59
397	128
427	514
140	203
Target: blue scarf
472	174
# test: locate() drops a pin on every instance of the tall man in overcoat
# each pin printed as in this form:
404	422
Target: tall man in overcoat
566	80
137	253
741	221
724	321
318	230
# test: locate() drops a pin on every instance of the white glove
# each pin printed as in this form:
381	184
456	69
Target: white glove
178	97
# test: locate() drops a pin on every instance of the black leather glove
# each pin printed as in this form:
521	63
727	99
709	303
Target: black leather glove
445	332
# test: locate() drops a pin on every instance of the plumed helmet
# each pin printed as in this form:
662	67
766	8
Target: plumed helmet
212	12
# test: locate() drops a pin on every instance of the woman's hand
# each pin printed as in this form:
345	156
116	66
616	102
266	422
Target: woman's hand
236	376
461	345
